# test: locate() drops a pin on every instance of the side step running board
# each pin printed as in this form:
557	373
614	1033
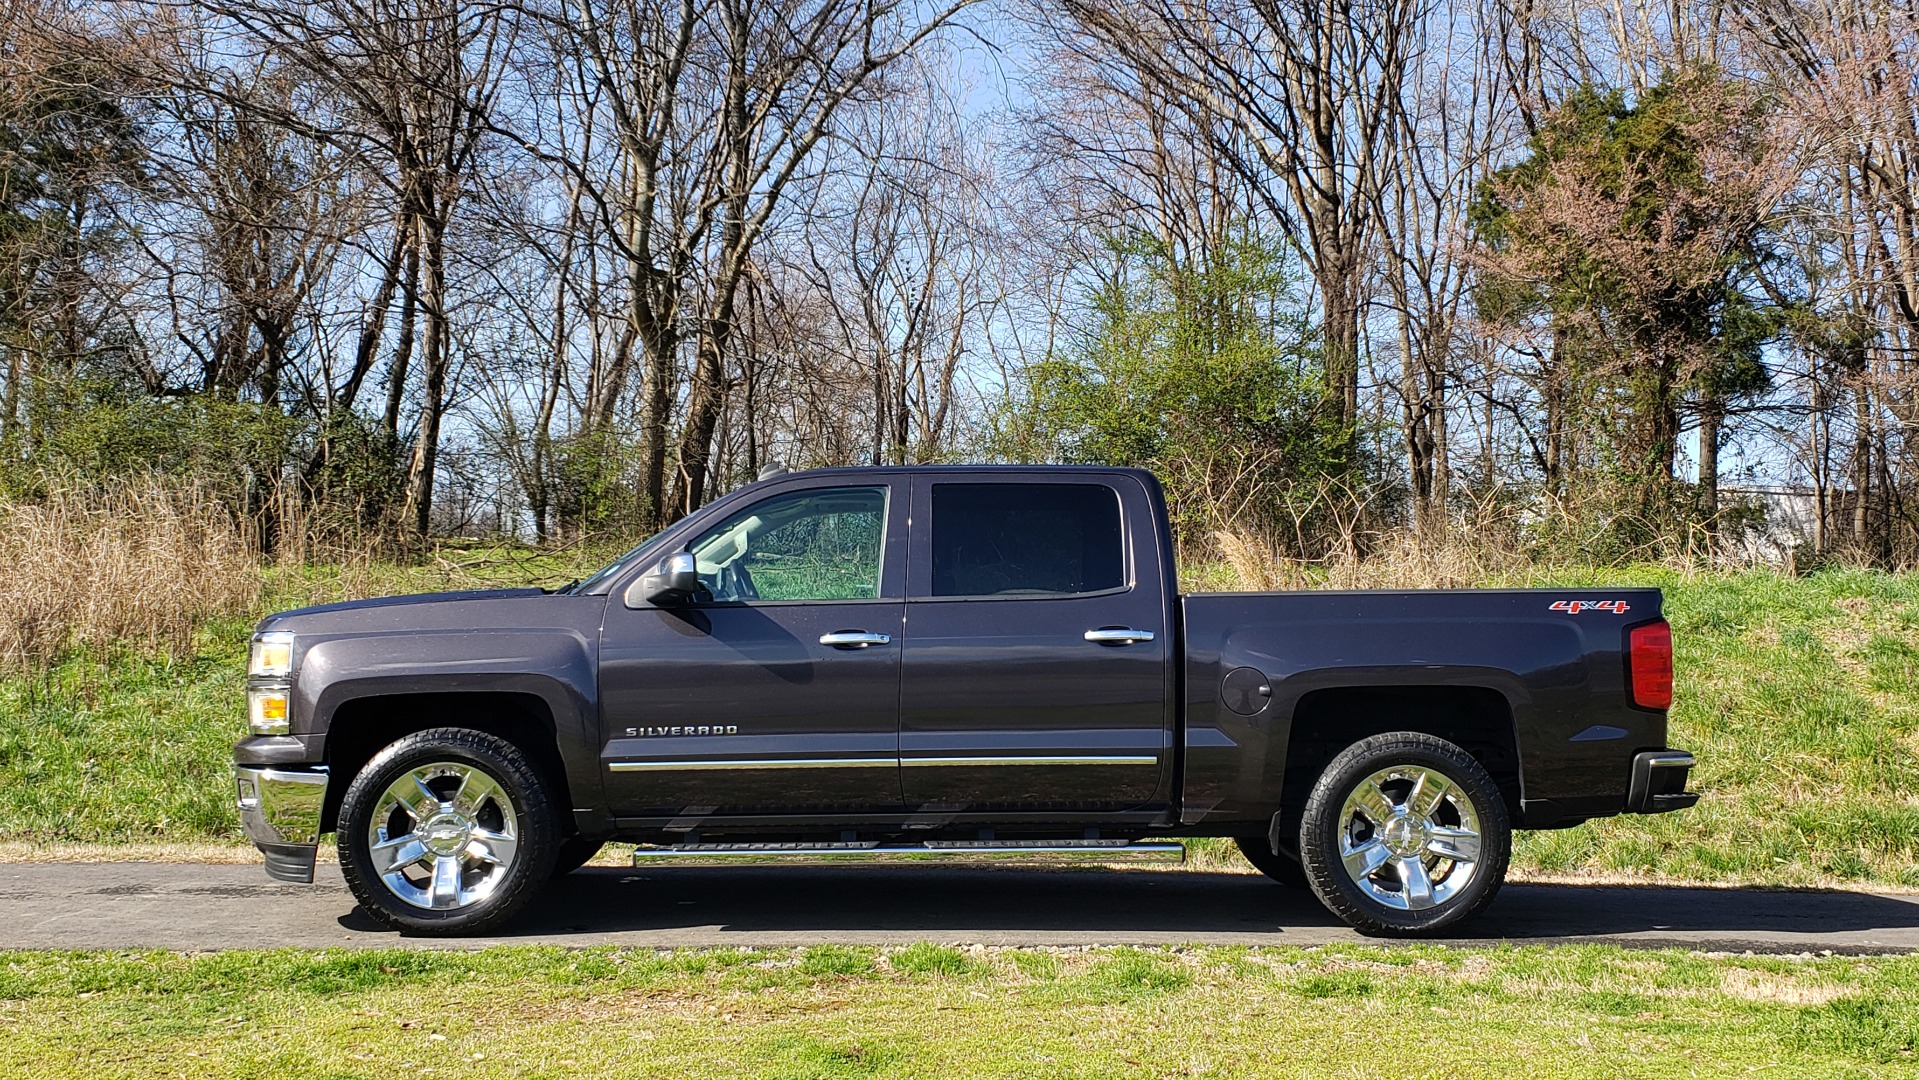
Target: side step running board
994	852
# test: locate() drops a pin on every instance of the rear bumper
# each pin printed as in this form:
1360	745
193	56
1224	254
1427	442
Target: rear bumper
280	809
1658	782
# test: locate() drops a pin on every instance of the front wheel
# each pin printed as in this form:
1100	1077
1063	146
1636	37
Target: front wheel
447	831
1405	834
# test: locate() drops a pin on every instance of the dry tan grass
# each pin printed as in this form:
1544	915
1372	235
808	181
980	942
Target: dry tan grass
140	561
1405	561
1780	988
238	853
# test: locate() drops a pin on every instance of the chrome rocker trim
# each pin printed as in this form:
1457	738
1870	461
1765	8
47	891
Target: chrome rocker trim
746	764
973	852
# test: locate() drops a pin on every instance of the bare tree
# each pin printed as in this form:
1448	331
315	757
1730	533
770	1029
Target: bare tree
711	109
1849	75
420	79
895	249
1450	131
1303	98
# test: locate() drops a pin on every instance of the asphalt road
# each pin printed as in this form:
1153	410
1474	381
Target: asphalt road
194	907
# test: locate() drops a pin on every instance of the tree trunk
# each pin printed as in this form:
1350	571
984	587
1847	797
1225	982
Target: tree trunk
1711	416
1414	431
375	328
709	367
1861	463
403	349
703	409
10	400
434	351
1552	394
656	392
1339	297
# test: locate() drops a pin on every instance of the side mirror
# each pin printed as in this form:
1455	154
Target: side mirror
674	582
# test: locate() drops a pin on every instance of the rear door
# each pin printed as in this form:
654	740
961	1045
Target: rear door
1034	675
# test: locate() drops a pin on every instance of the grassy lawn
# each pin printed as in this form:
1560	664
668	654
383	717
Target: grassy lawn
927	1010
1801	697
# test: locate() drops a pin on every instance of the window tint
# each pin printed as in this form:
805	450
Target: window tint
809	545
1013	539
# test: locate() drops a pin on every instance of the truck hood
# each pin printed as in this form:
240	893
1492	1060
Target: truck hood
275	621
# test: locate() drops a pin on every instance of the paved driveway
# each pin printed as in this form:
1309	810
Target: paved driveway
186	906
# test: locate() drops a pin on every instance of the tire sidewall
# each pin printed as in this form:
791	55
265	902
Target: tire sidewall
574	852
1321	826
1278	867
518	779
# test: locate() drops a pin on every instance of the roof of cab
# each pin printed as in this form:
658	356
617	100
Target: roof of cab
878	470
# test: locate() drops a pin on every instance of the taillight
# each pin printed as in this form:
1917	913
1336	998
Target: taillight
1649	650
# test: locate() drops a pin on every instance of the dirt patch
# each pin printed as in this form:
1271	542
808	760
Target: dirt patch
220	854
1770	986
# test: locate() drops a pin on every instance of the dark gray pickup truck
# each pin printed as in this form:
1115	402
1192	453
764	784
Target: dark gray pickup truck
981	663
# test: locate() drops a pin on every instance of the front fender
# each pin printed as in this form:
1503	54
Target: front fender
554	665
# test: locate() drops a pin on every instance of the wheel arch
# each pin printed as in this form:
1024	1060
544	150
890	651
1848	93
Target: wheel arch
362	726
1478	719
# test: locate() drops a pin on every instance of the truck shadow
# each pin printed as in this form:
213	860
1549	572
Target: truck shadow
1135	905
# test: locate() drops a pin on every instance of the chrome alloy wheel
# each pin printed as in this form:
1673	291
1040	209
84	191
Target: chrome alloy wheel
1409	838
443	836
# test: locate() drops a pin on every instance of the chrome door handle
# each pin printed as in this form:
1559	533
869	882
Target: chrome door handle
853	639
1118	635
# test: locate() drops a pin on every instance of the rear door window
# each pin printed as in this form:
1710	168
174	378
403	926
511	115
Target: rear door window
1026	539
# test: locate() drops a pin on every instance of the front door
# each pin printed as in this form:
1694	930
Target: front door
1035	670
776	691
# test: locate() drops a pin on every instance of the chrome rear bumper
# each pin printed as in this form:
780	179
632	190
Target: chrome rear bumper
280	809
1659	782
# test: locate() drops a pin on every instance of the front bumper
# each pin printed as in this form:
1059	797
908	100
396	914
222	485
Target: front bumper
280	809
1658	782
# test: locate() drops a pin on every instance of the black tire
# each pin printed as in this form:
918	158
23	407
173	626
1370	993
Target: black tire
575	852
501	848
1386	771
1282	868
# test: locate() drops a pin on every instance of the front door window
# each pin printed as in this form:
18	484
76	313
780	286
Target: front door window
809	545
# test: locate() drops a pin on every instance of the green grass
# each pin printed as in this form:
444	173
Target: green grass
1801	697
831	1011
135	747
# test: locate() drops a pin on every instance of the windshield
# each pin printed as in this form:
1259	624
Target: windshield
598	577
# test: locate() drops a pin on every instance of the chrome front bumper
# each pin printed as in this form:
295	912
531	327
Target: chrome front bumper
280	809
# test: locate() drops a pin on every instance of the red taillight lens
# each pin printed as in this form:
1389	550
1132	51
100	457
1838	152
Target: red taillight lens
1649	648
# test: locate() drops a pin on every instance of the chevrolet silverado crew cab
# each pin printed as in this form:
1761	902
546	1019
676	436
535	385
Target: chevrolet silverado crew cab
981	662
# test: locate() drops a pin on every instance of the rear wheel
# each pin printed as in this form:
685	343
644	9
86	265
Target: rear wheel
447	831
1405	834
1281	867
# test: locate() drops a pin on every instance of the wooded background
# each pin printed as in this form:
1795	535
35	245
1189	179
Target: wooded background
1539	273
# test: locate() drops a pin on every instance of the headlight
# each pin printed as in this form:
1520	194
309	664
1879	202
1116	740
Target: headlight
272	656
267	712
269	673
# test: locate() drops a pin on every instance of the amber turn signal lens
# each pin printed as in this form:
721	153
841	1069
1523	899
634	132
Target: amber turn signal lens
267	712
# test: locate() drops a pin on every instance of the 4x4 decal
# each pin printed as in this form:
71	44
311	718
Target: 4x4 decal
1574	607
